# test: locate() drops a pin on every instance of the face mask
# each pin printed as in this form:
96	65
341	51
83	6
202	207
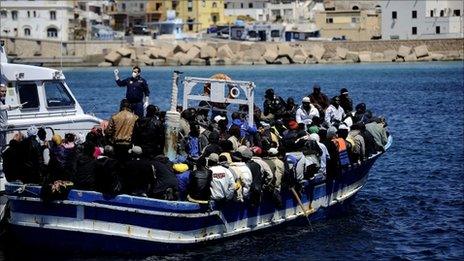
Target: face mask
134	74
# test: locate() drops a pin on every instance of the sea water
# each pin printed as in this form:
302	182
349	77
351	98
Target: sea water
412	206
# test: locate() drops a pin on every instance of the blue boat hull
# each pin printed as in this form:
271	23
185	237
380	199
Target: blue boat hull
89	222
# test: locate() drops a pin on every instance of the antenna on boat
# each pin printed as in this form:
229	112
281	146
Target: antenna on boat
61	47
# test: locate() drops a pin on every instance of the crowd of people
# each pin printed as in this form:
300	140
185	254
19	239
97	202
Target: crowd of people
221	157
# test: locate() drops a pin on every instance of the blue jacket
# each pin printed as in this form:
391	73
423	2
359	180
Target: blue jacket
136	88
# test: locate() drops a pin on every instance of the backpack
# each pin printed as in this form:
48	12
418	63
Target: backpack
193	147
199	184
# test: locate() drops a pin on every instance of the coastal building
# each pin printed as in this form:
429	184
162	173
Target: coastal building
39	20
425	19
246	9
355	25
127	14
289	11
199	14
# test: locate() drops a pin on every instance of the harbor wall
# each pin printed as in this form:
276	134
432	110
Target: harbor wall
223	52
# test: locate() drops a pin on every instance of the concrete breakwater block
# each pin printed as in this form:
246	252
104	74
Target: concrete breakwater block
390	55
270	53
125	62
207	52
365	56
113	57
404	51
198	62
352	56
105	64
282	60
182	47
410	58
317	51
225	52
302	52
284	50
193	53
421	51
124	52
341	52
299	59
158	62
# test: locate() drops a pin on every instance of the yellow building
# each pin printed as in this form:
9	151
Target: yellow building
355	25
198	14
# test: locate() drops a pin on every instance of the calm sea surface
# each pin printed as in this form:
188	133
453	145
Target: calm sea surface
413	204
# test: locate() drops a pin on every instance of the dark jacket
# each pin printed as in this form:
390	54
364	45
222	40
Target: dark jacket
136	88
165	178
148	133
84	177
33	160
138	176
107	176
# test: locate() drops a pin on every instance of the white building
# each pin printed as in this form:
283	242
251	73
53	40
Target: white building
36	19
422	19
252	8
292	11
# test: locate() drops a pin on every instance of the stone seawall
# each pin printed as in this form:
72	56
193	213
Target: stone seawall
220	52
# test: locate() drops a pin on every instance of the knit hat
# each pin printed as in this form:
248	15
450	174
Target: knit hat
314	136
57	139
273	151
331	132
137	150
293	125
313	129
213	157
219	118
245	152
32	131
256	150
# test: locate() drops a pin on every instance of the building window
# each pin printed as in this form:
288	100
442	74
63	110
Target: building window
27	32
275	33
431	13
354	20
442	13
225	5
414	30
203	3
241	5
52	32
394	15
457	12
35	14
437	29
158	6
355	7
190	5
250	5
142	6
329	20
28	14
123	5
214	5
14	15
52	15
414	14
4	14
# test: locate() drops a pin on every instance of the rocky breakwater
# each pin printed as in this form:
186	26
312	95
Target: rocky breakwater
247	53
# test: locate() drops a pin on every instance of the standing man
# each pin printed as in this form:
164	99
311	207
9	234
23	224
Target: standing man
4	115
137	90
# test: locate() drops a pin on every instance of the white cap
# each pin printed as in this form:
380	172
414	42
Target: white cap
306	99
314	136
219	118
